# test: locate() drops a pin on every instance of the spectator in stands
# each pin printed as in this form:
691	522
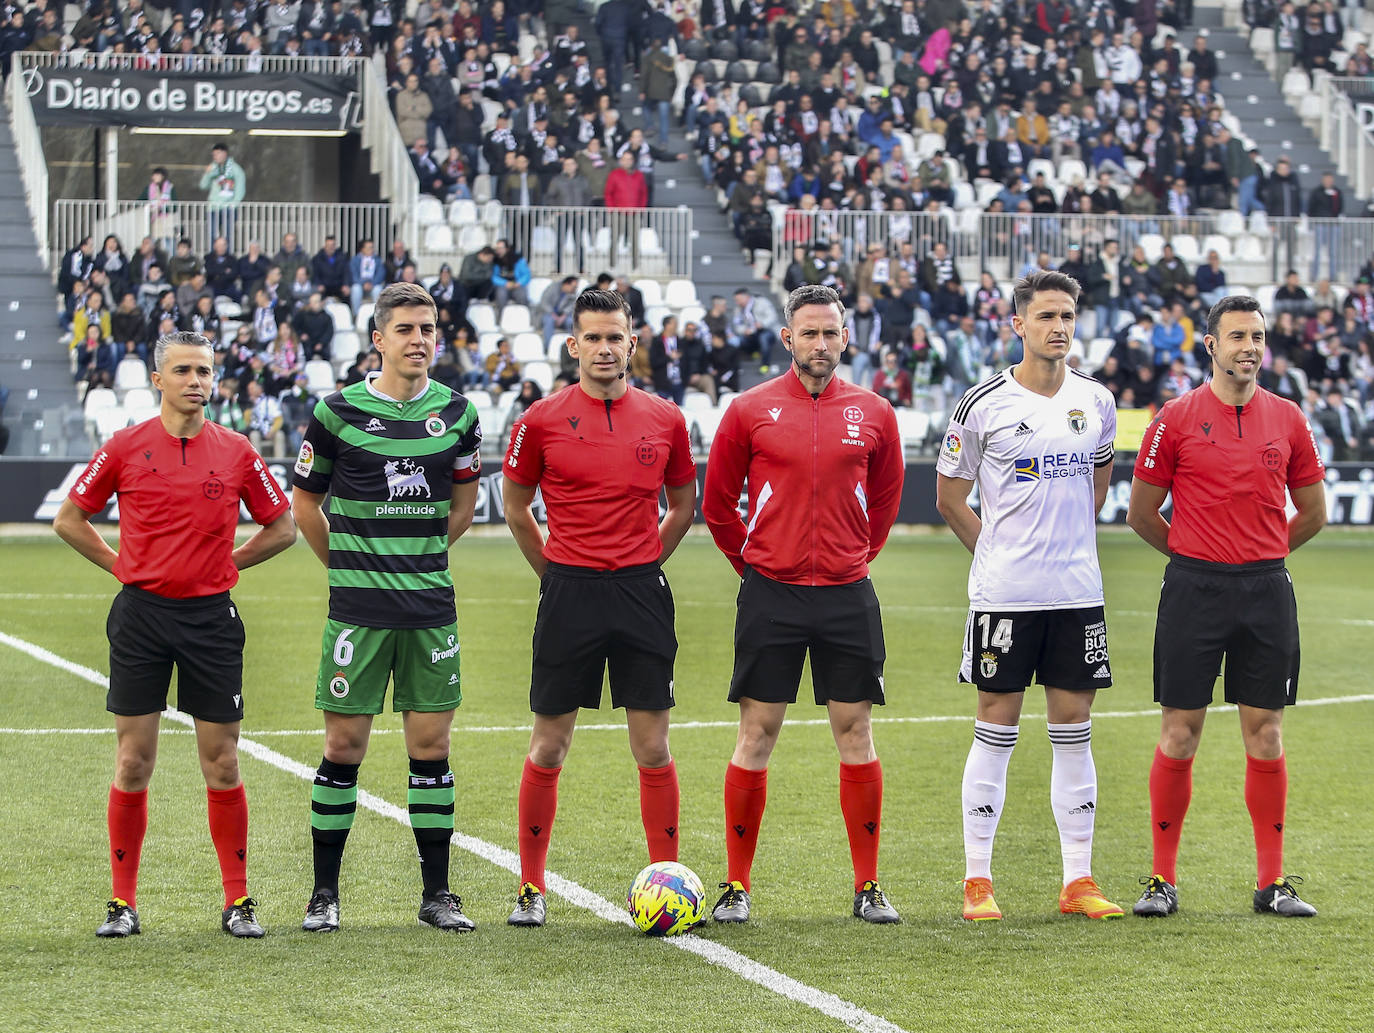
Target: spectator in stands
1292	297
434	180
722	364
97	357
114	263
365	274
290	257
892	381
128	325
222	270
1282	192
1211	279
202	318
475	274
1326	203
1170	275
1340	419
666	361
183	265
865	326
752	327
314	328
502	371
225	183
193	290
556	306
510	275
263	319
519	186
329	270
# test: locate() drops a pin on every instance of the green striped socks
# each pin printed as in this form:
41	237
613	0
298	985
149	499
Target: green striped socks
430	801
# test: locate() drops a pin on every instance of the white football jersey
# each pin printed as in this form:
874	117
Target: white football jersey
1033	458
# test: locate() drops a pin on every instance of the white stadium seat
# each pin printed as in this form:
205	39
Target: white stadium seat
680	294
482	317
429	210
131	373
515	319
319	377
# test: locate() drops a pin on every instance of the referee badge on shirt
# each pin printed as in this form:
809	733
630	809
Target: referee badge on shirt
1078	422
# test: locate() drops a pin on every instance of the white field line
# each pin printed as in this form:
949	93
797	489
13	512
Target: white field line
718	954
1220	708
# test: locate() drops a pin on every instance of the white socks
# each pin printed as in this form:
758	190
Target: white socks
985	791
1073	795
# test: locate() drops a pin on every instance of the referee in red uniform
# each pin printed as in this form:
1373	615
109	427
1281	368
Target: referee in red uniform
1227	451
179	480
600	451
824	467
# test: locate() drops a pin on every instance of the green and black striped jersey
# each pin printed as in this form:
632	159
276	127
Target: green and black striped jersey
389	468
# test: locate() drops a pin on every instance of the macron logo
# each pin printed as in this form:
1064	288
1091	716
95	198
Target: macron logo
775	413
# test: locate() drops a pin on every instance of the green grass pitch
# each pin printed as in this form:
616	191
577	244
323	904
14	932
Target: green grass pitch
1214	967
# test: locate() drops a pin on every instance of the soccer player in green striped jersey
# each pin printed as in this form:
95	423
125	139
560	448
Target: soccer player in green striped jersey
397	456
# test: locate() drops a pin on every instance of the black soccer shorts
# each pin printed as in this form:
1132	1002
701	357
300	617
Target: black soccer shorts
1244	612
776	624
591	619
203	637
1005	650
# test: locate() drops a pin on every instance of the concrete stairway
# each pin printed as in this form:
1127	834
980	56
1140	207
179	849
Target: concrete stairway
1254	97
42	412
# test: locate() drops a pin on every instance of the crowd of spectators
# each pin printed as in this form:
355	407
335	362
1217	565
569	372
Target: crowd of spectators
1003	83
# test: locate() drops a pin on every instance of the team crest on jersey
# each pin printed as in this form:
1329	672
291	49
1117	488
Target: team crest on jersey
987	665
1028	469
434	426
305	462
953	445
853	414
338	686
405	480
1078	422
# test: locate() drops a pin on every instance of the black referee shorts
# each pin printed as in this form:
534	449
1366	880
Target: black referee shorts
776	624
589	619
203	637
1244	612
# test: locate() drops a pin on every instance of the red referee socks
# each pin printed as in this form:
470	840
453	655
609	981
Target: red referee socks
746	792
537	806
658	808
228	813
1171	790
861	803
1266	796
127	816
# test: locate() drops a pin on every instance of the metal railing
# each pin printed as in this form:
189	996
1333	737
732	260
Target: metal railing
1347	112
228	64
33	166
390	160
655	243
1254	251
262	221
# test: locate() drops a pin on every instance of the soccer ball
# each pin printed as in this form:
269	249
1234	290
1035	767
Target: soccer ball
667	898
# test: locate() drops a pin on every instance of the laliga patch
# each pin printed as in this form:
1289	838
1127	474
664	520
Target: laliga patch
305	462
953	445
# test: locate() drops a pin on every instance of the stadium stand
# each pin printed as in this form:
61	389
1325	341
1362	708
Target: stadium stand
888	149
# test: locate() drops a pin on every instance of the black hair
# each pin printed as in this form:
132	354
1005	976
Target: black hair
1028	287
1230	303
594	300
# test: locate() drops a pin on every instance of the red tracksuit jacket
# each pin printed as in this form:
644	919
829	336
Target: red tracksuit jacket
825	481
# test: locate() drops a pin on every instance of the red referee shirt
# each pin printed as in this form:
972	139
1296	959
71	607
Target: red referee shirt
179	504
1228	467
599	465
825	480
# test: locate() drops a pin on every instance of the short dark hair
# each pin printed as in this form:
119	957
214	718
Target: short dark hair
400	295
1028	287
810	294
595	300
1230	303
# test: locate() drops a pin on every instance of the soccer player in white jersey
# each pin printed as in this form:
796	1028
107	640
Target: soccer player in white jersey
1037	439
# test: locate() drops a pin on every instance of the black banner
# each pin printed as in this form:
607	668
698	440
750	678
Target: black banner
32	489
192	100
